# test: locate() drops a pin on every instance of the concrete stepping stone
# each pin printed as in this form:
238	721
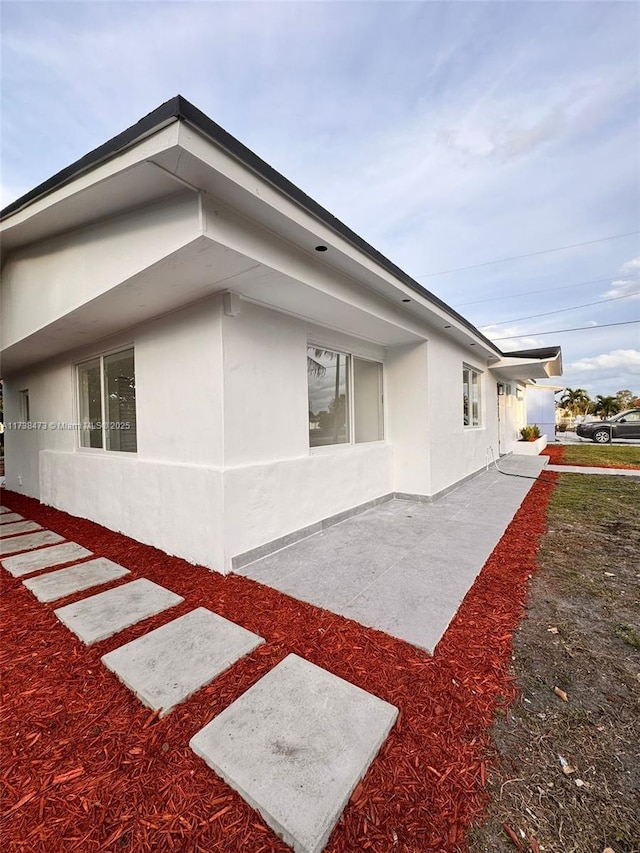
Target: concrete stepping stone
45	558
54	585
9	517
29	541
19	527
165	666
295	746
99	616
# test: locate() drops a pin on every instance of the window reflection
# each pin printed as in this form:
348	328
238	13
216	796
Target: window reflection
328	379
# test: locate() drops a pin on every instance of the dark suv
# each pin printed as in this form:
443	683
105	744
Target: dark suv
624	425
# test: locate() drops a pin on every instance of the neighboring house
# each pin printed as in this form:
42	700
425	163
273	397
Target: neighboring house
270	367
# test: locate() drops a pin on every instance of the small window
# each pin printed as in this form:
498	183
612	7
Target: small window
471	397
107	402
345	398
24	406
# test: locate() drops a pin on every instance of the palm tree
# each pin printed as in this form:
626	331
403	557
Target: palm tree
576	401
606	406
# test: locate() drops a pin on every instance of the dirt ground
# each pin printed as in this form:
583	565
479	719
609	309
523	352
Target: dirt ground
568	772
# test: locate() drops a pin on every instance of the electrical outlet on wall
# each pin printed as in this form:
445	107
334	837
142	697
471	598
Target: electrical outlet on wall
19	479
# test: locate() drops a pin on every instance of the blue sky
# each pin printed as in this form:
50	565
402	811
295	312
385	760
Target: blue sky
448	135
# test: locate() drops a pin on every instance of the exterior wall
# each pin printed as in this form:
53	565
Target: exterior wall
265	502
169	493
50	400
223	463
408	420
512	414
456	450
265	387
273	483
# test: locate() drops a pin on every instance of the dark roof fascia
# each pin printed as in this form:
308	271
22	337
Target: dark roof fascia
164	114
178	108
543	353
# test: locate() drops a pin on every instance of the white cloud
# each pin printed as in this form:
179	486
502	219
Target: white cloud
624	287
511	338
620	360
632	266
630	284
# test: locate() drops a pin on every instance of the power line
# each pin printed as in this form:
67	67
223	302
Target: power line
531	254
532	292
560	331
560	310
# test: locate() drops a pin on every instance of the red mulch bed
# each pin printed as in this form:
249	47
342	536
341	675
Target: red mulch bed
85	767
555	452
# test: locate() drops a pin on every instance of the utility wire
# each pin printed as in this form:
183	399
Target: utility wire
531	254
560	310
560	331
532	292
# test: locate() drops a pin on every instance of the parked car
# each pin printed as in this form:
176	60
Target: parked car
624	425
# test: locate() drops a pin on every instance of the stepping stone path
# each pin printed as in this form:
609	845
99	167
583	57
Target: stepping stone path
167	665
99	616
54	585
295	746
29	541
45	558
9	517
19	527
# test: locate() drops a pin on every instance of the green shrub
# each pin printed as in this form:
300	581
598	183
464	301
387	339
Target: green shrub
530	433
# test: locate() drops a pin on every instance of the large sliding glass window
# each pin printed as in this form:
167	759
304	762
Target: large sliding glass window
107	402
471	397
328	375
345	398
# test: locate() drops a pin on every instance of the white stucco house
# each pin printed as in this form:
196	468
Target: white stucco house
197	354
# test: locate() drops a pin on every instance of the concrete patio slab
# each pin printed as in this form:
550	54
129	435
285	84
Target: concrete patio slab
19	527
102	615
54	585
405	566
295	745
165	666
29	541
8	517
44	558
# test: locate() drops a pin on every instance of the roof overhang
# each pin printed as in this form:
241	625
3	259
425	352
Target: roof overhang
527	369
177	147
